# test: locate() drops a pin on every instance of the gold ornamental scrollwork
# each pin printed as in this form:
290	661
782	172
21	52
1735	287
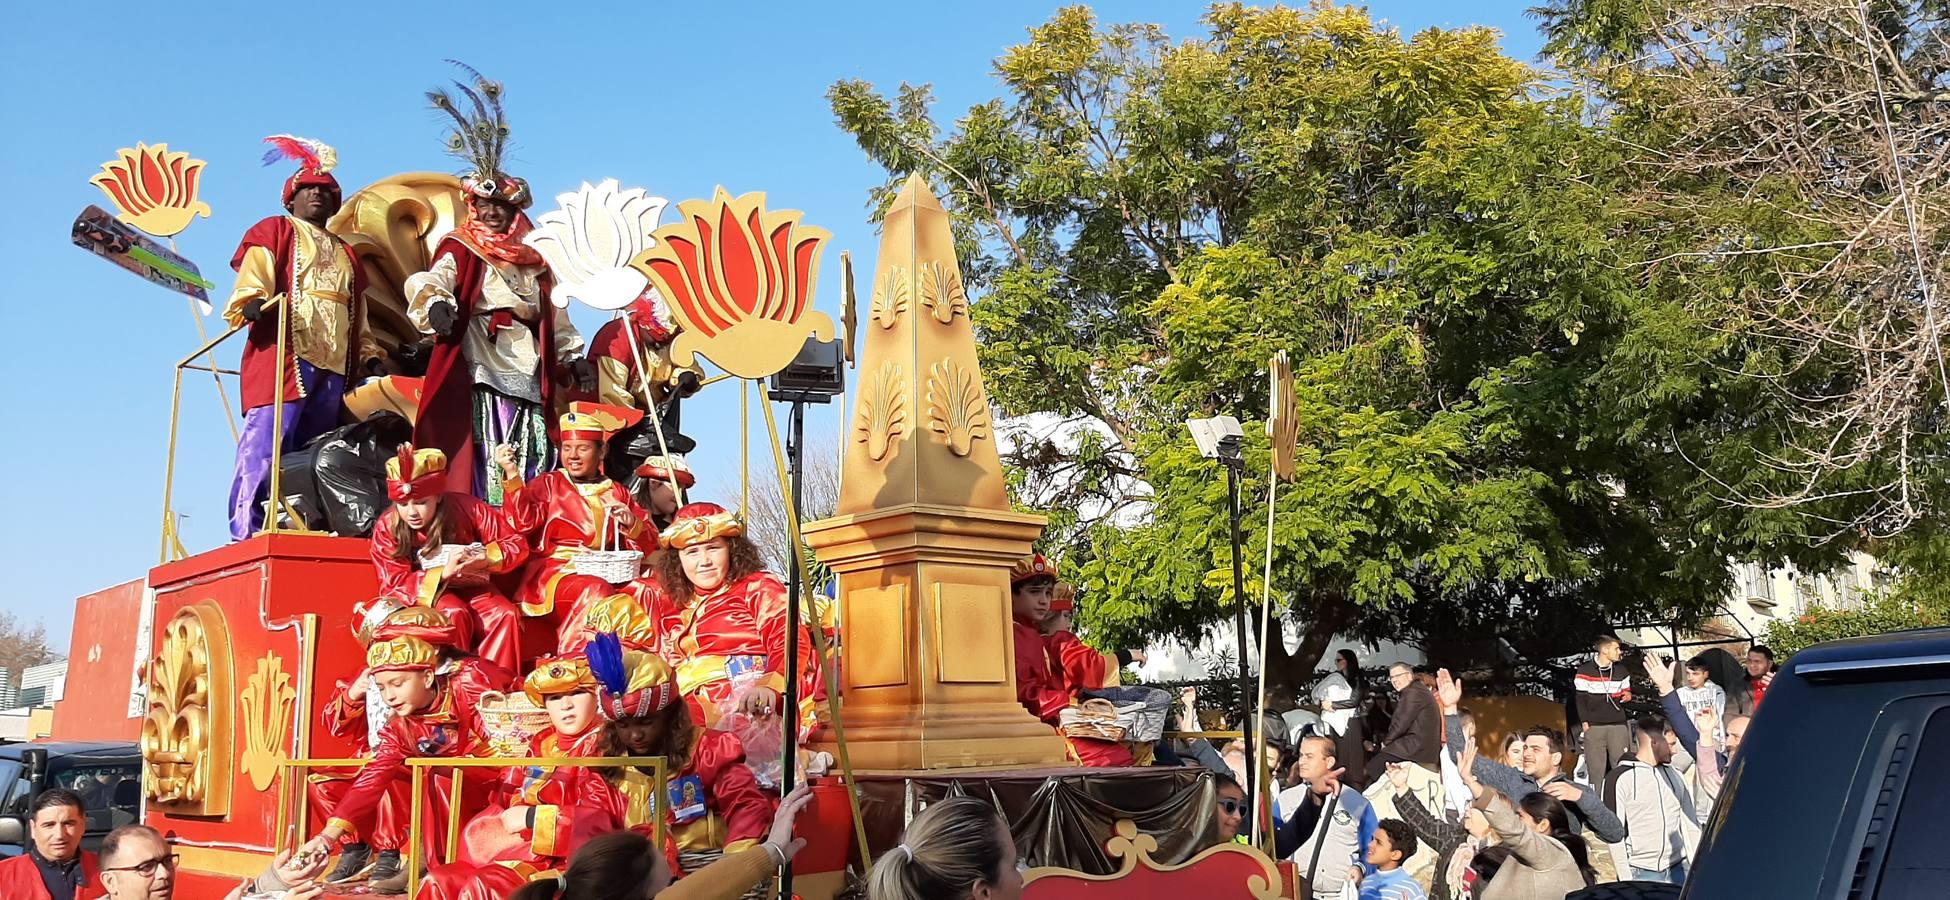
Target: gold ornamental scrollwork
267	698
942	293
186	736
890	297
957	408
882	415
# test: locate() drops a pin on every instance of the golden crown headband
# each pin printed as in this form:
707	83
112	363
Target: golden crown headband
698	529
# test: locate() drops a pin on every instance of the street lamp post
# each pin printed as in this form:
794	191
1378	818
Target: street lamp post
1219	438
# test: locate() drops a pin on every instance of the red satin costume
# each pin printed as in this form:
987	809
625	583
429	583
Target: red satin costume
487	621
571	804
561	518
450	727
738	812
730	638
1041	689
386	828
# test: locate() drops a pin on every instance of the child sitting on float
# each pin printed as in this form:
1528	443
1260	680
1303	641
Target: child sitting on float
715	805
435	705
357	712
424	518
722	620
1040	688
539	814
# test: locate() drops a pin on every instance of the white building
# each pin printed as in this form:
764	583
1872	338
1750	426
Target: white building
7	689
42	685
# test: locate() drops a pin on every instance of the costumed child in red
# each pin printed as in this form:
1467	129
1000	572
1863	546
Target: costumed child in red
424	517
499	344
540	814
1039	686
715	805
1079	666
722	620
566	512
357	713
323	318
436	712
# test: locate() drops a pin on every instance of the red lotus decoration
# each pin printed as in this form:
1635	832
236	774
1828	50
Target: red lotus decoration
153	189
739	280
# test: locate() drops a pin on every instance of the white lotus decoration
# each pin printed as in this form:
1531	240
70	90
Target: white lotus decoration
591	239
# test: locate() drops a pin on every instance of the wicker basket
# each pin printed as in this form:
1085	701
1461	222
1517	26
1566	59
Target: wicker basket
511	723
1095	719
613	566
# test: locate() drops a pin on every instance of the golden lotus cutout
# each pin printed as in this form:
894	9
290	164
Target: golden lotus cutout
740	280
890	297
882	416
941	292
186	736
153	188
267	700
956	406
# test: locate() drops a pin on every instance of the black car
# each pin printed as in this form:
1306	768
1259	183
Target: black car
1841	788
107	775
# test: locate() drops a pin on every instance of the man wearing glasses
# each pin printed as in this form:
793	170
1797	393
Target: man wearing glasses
137	864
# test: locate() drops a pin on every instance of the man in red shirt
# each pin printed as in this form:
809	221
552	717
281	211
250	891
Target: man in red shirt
54	866
1039	687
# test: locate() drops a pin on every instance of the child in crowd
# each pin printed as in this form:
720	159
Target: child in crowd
1393	843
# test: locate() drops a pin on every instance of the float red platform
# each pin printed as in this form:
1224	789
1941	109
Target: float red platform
249	641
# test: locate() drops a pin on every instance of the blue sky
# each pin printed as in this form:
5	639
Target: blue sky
675	98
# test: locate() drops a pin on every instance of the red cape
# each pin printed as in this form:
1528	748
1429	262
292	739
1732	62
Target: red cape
446	418
257	379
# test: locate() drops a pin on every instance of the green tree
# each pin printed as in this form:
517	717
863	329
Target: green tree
1422	223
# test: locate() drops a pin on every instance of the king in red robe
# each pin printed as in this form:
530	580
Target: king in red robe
292	259
566	513
500	344
722	620
539	815
424	519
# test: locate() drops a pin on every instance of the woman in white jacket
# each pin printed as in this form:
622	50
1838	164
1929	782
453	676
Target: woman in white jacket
1339	697
1661	823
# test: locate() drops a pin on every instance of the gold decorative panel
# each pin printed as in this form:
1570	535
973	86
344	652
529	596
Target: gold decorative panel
877	625
267	700
890	298
186	737
941	292
973	620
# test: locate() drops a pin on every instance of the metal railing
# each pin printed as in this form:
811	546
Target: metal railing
298	811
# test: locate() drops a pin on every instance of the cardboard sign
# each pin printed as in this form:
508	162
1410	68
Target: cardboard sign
101	234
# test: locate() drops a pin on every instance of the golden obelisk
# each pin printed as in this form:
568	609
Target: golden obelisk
924	538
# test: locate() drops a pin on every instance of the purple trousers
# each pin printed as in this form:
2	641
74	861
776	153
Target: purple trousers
306	418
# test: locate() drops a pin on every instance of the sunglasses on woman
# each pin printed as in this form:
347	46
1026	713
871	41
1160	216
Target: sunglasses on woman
1232	807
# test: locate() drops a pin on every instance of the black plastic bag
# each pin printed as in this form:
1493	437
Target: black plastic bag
337	483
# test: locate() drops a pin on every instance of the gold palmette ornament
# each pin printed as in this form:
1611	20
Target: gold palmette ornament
186	736
1282	420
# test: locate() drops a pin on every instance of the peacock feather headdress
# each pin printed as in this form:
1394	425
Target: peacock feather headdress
480	137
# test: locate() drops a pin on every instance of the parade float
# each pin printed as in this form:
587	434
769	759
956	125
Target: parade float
245	643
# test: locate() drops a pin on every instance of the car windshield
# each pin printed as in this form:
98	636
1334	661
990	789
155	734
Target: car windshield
110	793
13	789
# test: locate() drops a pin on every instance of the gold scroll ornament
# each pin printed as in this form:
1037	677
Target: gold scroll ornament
186	737
267	700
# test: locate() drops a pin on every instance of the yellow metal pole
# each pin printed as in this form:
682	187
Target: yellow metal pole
169	470
818	633
275	497
745	451
454	788
413	830
229	416
1263	834
650	406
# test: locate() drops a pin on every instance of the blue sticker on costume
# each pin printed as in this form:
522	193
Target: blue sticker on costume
743	668
687	799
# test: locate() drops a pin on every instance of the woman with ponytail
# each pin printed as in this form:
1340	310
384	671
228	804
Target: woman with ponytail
624	866
957	849
1543	863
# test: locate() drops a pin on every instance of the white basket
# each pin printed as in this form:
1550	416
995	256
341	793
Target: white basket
613	566
1095	719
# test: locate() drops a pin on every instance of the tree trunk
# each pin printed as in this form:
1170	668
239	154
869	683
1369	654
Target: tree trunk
1286	672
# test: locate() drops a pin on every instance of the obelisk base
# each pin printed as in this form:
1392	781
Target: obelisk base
928	655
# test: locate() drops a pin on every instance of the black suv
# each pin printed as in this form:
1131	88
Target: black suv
1841	788
107	775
